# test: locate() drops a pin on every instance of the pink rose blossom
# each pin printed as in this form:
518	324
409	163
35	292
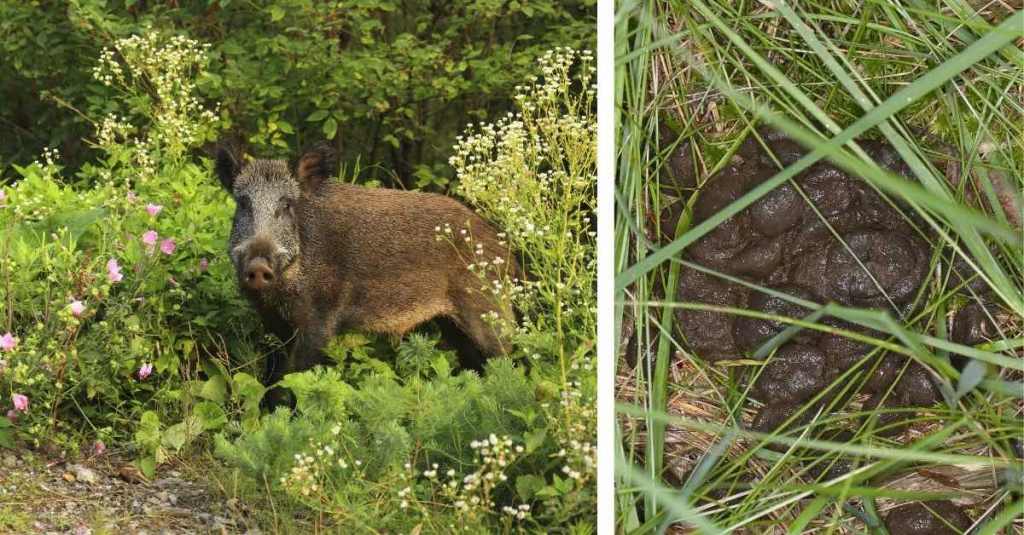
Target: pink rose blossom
114	271
167	246
20	402
149	237
203	264
145	371
77	307
153	209
99	448
8	342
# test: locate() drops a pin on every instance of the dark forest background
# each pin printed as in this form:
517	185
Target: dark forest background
389	82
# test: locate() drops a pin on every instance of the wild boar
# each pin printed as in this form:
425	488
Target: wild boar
316	257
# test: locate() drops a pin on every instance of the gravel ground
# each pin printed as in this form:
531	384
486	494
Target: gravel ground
107	495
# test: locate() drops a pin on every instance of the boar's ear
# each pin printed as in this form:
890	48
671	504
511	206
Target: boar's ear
227	165
316	166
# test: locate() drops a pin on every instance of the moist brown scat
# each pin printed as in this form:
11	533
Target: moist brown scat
749	333
972	325
709	333
927	518
679	174
782	243
796	373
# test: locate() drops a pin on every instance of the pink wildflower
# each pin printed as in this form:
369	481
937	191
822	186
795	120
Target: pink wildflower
77	307
145	371
12	415
20	402
99	448
3	196
203	264
8	342
114	271
167	246
149	237
153	209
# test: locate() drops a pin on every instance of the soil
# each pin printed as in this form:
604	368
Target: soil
105	495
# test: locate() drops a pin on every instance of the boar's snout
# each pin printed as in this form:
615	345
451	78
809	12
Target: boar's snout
259	263
258	274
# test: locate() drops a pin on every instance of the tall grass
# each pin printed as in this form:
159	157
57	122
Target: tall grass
940	82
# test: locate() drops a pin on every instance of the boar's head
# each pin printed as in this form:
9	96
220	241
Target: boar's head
268	196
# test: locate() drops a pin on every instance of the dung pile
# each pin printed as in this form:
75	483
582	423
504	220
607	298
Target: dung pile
789	241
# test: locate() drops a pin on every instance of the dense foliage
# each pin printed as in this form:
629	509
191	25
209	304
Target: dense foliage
391	82
121	323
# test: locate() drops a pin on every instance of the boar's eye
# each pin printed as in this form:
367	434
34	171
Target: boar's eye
244	202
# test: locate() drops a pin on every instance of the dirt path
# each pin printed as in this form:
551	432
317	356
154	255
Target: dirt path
104	495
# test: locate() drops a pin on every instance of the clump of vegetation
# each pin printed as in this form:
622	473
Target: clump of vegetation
114	288
696	83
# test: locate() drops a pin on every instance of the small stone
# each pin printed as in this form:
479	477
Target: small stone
10	461
83	474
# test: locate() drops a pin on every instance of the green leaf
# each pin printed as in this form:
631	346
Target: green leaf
215	389
210	415
973	374
317	116
181	433
276	13
247	389
330	128
148	466
441	366
319	392
528	485
535	439
148	433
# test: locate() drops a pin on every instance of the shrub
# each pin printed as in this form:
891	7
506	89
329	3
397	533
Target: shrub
114	286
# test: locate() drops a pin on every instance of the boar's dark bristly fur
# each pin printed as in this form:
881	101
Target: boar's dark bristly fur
316	257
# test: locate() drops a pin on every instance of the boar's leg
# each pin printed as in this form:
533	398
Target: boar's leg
472	312
305	352
453	338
